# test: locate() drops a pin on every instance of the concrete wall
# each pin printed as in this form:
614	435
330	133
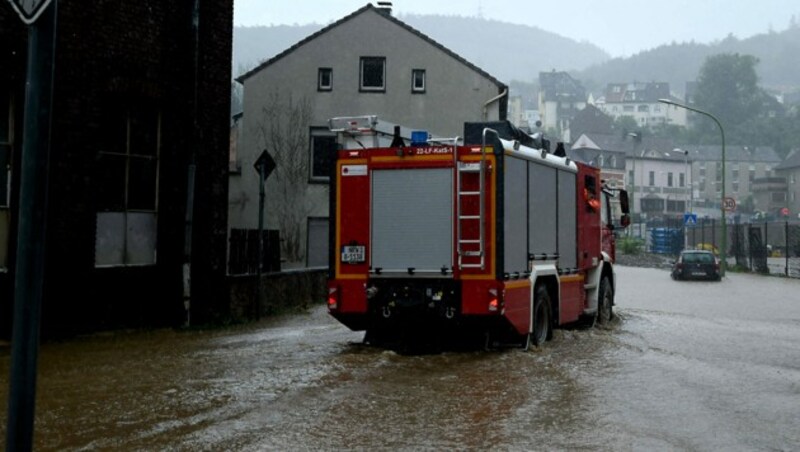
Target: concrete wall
281	291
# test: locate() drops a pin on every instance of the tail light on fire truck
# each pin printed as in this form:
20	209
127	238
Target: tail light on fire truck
333	298
494	300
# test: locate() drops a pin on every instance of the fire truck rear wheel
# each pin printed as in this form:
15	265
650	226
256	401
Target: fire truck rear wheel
605	301
542	317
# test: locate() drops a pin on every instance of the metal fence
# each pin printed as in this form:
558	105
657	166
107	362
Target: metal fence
768	247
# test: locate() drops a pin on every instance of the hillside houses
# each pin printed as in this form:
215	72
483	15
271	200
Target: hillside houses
640	102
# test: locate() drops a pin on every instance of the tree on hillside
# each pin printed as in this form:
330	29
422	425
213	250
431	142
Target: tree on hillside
727	87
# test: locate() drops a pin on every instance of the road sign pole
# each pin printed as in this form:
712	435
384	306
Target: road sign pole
31	236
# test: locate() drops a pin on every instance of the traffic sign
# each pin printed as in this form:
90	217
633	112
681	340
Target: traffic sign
29	10
690	218
729	204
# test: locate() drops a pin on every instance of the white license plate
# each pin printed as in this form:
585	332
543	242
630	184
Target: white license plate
698	273
353	254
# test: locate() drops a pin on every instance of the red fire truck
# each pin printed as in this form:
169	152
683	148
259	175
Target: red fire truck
490	233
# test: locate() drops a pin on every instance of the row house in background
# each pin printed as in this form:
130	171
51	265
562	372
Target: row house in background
640	101
367	63
744	166
561	97
141	94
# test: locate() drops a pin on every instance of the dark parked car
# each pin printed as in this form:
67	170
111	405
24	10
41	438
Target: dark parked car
696	264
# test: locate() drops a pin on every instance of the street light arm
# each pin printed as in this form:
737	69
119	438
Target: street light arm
723	251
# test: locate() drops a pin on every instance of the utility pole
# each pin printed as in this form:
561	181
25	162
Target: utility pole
31	234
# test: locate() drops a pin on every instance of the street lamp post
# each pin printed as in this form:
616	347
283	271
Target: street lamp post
634	136
724	248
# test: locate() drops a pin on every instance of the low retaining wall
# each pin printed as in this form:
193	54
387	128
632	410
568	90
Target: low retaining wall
282	291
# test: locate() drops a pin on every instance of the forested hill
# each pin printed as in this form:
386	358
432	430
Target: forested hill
506	51
517	52
778	54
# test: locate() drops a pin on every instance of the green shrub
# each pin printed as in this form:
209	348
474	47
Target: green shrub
630	245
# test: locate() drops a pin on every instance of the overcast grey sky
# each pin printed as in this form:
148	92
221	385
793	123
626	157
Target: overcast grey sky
620	27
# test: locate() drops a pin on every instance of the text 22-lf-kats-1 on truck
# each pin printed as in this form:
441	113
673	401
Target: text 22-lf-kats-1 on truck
497	235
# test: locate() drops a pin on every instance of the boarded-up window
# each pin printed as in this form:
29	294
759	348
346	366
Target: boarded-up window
127	188
317	250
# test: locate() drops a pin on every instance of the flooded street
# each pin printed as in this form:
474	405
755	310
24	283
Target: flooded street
688	366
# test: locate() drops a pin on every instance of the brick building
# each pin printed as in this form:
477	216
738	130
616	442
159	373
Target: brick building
140	91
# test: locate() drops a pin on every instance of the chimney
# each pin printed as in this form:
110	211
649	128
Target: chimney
385	8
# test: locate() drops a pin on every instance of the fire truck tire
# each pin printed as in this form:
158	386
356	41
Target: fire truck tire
605	300
542	317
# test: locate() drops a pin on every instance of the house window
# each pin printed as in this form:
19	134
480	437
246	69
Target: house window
323	145
676	206
642	109
418	80
736	187
612	161
600	161
735	173
652	205
778	196
127	188
627	108
669	179
652	178
373	74
682	179
324	79
6	129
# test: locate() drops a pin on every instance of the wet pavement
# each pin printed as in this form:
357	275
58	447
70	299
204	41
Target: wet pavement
687	366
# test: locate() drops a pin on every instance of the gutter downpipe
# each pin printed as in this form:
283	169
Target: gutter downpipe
491	101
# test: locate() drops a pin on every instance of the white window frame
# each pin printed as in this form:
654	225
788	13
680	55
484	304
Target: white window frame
363	87
414	78
321	72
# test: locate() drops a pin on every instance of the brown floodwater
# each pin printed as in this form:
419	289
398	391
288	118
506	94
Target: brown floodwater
703	366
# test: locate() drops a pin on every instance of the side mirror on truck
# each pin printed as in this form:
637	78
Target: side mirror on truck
625	221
